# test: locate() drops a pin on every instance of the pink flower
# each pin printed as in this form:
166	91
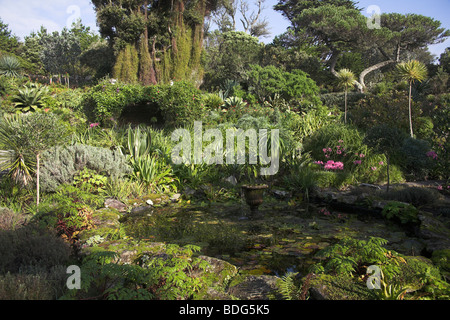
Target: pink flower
357	162
373	168
432	154
92	125
381	163
331	165
439	187
341	141
361	155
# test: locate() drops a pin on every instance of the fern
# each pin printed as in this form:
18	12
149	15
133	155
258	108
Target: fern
349	256
287	288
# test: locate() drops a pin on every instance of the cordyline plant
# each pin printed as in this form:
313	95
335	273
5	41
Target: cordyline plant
411	71
25	137
347	80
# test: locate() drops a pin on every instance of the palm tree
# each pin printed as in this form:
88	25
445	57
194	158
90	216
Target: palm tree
411	71
346	79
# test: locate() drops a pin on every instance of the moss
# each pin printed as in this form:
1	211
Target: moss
339	287
441	258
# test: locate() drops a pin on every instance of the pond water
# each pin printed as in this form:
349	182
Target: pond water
284	238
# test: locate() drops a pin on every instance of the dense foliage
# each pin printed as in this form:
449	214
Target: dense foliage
86	119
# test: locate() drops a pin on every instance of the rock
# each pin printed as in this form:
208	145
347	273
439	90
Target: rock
373	186
349	199
149	202
175	197
141	210
256	288
338	287
116	204
279	194
222	269
231	180
434	232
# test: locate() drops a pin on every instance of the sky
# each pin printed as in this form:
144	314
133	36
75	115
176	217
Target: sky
25	16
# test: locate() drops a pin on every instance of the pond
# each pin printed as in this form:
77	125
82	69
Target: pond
284	238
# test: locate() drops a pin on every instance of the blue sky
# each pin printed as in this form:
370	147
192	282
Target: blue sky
25	16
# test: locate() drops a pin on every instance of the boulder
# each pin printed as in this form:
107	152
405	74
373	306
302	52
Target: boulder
116	204
262	287
434	232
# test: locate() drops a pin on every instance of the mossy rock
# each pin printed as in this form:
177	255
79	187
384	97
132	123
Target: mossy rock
104	221
339	287
128	250
441	258
217	275
156	198
250	287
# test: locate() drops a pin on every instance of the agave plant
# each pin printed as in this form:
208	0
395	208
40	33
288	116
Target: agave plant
30	98
154	173
9	66
139	142
234	102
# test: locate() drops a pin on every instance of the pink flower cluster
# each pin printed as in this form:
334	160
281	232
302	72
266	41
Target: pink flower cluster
339	150
432	154
93	125
331	165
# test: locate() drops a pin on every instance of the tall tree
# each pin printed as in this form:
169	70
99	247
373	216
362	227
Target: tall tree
60	51
338	27
8	41
172	30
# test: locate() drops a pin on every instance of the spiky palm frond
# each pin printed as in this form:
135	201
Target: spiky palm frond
346	78
412	70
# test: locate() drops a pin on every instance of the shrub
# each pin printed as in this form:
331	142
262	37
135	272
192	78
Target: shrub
170	275
107	100
351	256
414	159
62	163
401	212
417	196
295	86
31	246
33	285
68	211
179	103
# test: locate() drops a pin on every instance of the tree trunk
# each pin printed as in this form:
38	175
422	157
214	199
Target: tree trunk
345	110
361	85
410	111
388	179
37	179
